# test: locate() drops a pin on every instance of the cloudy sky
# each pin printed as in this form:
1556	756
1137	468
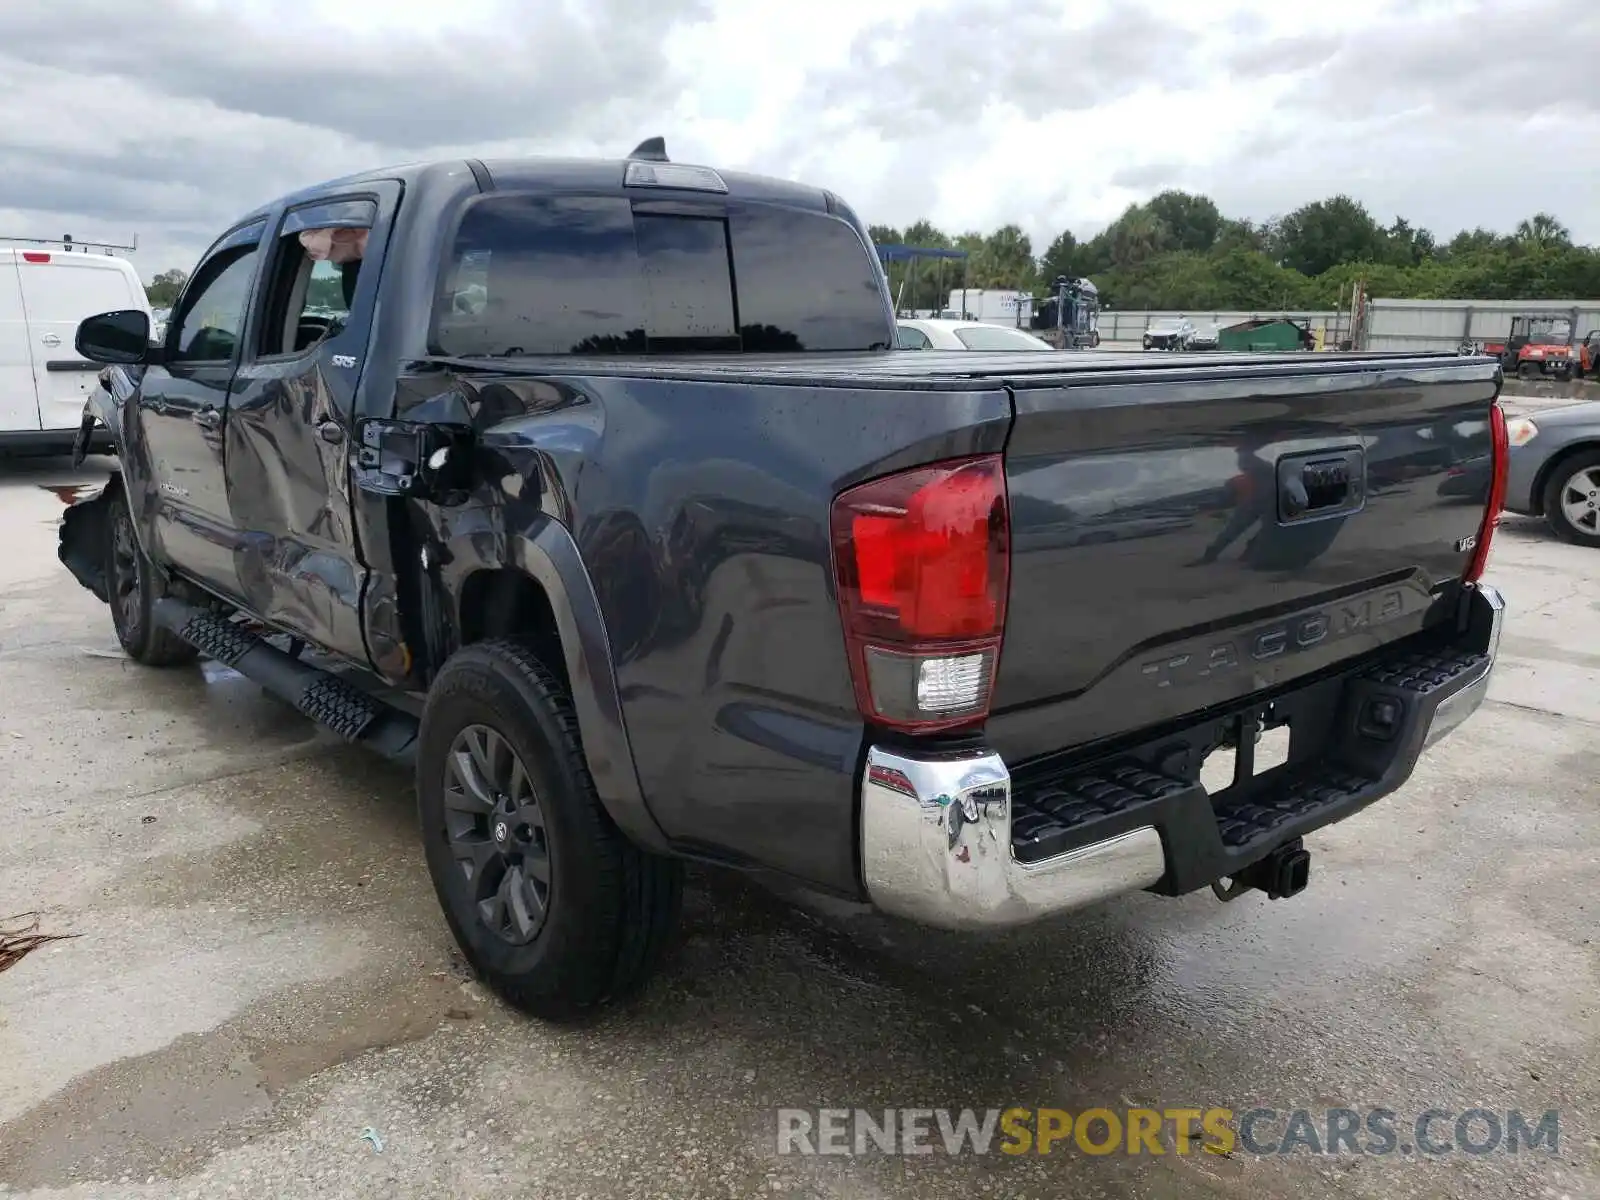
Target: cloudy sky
166	119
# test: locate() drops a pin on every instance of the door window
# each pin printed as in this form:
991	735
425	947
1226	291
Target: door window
310	299
314	274
909	337
213	313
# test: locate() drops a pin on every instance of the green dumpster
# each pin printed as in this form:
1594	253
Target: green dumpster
1260	335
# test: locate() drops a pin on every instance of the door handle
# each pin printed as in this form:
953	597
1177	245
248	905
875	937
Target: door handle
1320	484
208	418
331	432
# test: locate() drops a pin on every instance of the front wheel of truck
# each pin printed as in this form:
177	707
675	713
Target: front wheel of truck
556	910
132	589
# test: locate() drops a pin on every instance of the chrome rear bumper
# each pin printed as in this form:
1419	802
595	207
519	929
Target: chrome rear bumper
1490	610
936	848
936	844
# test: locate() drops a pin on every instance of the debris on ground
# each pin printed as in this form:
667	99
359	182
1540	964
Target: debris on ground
20	936
370	1134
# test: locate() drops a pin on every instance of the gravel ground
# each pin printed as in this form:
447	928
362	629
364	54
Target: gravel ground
261	973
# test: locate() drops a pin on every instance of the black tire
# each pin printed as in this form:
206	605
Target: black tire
608	909
1555	488
132	590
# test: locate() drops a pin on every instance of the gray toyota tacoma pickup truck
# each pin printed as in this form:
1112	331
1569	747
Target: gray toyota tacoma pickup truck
595	489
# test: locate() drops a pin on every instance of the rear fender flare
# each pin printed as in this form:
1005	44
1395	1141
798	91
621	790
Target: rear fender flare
547	554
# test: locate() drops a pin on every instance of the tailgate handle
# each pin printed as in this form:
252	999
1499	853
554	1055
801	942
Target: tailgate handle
1325	484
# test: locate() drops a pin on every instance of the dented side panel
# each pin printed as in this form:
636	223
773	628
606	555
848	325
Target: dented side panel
290	440
703	642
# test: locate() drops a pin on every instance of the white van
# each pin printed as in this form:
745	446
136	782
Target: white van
43	382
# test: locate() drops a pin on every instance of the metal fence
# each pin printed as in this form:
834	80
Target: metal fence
1389	324
1129	326
1445	324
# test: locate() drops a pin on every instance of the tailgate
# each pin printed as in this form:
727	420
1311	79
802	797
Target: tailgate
1187	535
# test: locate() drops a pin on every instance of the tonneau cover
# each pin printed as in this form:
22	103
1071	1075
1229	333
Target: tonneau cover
939	369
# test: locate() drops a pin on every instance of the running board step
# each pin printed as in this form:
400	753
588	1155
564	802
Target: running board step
320	695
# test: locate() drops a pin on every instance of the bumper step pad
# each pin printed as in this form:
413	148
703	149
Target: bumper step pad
1296	800
1425	673
1066	812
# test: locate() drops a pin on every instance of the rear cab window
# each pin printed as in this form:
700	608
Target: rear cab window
540	275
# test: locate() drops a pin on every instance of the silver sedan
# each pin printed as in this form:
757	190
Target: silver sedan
1555	470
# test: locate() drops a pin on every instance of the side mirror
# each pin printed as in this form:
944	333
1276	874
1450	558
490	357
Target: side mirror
120	338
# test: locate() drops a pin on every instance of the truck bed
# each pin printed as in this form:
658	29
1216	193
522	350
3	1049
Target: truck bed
1153	576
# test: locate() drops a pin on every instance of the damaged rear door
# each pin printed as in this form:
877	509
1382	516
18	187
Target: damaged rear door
292	413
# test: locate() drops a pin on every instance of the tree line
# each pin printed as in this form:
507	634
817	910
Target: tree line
1178	251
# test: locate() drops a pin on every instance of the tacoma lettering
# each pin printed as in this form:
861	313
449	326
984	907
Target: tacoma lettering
1272	641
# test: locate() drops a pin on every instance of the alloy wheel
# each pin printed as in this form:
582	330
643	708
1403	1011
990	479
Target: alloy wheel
495	828
1580	500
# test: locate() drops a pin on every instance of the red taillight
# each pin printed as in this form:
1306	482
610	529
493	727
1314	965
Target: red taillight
1497	493
34	256
922	562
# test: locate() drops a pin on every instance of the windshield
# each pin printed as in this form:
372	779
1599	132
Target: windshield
996	337
1558	329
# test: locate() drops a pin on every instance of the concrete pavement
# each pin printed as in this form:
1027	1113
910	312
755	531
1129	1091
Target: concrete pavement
262	973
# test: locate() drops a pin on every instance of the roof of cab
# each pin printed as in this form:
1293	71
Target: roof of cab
565	174
405	173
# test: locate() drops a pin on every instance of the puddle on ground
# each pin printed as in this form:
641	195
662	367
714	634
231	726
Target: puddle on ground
168	1112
